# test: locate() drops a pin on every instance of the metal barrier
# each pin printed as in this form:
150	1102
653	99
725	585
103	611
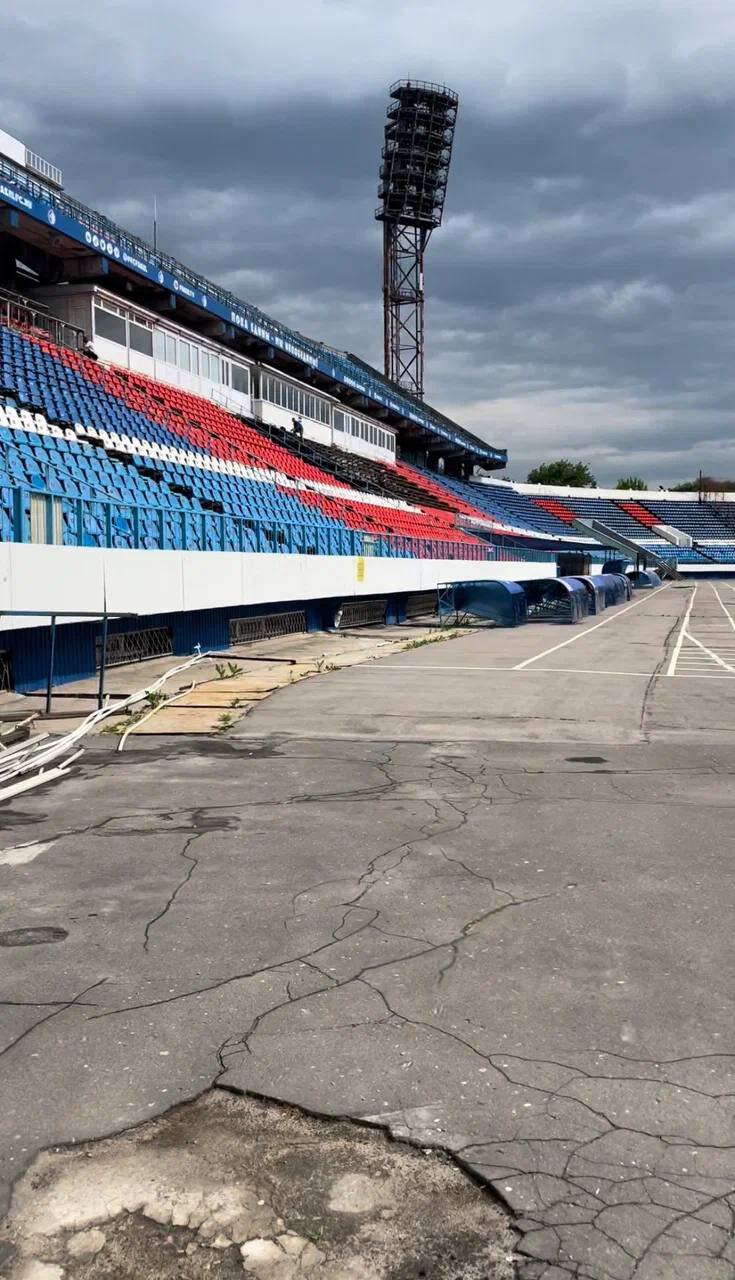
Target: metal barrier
421	604
42	517
17	312
134	646
266	625
362	613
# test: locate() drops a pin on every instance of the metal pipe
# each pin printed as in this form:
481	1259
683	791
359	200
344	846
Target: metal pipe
103	663
52	646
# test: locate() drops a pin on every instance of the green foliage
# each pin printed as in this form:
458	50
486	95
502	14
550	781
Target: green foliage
226	721
419	644
563	471
228	672
631	482
707	484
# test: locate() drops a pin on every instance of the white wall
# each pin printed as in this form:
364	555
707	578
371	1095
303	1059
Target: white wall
12	148
147	582
277	416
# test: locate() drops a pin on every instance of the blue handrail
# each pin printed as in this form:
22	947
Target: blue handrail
109	523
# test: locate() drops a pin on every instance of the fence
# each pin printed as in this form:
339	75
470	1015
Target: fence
32	515
17	313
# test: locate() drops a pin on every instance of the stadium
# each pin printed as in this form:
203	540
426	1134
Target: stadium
299	877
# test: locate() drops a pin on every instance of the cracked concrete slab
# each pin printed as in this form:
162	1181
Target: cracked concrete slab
230	1187
516	951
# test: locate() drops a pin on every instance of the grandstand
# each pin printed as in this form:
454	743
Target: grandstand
143	409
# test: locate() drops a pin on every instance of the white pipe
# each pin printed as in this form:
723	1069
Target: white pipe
40	752
158	707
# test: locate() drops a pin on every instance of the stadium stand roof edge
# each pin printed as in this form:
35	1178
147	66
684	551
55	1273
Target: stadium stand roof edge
59	215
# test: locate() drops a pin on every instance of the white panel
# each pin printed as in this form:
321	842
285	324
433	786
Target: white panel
147	582
12	148
112	352
139	362
46	577
133	586
212	578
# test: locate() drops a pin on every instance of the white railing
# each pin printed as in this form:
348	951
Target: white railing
44	169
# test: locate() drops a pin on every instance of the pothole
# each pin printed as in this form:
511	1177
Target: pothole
33	936
231	1186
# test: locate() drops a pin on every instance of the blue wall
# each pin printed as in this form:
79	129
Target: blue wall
74	651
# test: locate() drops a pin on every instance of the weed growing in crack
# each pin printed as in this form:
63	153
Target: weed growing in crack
229	671
419	644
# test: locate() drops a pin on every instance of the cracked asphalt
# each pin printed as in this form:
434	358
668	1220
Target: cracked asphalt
487	908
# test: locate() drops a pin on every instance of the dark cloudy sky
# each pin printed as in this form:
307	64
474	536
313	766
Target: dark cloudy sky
581	289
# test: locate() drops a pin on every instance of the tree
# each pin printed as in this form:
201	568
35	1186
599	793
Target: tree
631	482
704	484
562	471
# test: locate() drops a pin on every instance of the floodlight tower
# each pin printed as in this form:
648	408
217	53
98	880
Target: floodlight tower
419	133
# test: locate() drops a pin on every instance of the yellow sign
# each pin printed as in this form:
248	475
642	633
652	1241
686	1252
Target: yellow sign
360	568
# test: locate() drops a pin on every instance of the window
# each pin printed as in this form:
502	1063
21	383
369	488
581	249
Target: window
170	349
195	360
184	360
112	327
159	345
339	420
240	379
141	339
213	368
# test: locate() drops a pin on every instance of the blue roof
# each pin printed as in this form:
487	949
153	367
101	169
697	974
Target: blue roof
65	216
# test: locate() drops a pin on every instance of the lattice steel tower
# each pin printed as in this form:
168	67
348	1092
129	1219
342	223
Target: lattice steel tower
419	133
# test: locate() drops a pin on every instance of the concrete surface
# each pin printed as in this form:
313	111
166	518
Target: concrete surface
228	1186
260	665
485	904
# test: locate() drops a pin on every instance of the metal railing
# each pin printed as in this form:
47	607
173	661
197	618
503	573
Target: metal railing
17	312
108	523
51	172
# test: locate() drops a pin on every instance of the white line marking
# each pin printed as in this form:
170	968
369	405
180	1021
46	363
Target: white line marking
719	661
557	671
690	674
588	630
682	632
727	613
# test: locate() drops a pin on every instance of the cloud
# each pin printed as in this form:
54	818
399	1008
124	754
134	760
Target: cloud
579	292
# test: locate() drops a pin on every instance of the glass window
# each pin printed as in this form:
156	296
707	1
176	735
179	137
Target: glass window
106	325
184	361
214	368
226	367
339	420
141	339
170	349
240	379
195	360
160	345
